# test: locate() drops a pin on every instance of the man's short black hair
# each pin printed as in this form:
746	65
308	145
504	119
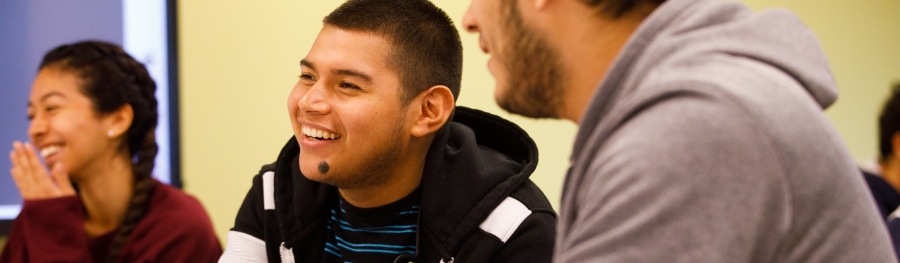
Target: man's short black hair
427	50
889	122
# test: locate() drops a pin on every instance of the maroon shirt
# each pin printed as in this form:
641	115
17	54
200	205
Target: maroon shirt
174	229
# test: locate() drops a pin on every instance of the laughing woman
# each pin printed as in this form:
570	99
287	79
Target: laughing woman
93	115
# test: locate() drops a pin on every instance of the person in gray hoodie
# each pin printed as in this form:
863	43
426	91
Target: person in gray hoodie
701	133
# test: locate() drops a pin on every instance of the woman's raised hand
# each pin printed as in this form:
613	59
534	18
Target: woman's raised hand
31	175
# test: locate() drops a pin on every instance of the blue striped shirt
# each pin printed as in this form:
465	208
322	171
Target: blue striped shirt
377	234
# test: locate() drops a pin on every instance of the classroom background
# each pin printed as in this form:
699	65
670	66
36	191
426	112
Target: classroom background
238	60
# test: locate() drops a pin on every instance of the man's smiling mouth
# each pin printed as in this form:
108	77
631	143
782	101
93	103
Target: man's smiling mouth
317	134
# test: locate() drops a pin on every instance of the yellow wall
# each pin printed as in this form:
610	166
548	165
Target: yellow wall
862	42
239	60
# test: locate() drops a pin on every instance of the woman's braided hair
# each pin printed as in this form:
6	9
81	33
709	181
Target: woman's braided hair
111	79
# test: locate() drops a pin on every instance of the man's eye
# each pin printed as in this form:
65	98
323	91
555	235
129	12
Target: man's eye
50	108
307	77
347	85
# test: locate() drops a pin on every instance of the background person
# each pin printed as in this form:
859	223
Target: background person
885	186
93	114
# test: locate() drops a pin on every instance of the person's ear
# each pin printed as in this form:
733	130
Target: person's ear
895	145
433	108
118	122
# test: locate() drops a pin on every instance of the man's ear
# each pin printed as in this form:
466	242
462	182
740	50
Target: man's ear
434	107
895	146
118	122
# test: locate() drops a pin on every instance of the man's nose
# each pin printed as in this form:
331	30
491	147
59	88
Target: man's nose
469	22
315	100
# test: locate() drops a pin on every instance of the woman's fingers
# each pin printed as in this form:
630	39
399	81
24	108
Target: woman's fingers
34	166
20	163
20	171
31	175
17	176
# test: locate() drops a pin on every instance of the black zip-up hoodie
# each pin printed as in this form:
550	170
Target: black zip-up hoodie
477	203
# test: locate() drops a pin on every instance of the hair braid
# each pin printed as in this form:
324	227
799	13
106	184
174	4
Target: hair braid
142	143
137	206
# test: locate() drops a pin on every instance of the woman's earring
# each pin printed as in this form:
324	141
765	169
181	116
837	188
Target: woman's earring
110	133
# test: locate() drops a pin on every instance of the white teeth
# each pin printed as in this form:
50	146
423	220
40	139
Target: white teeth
319	134
47	151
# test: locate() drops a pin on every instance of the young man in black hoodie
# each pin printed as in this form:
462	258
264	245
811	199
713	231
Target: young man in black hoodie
383	167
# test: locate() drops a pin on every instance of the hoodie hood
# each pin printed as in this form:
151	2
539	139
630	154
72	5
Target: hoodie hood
682	33
685	29
473	165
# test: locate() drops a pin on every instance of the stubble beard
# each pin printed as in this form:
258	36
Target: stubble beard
374	171
535	81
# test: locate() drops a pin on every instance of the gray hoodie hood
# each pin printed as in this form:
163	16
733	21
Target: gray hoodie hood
681	32
774	37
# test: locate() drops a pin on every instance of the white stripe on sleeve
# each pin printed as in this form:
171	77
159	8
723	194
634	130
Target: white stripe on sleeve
243	248
269	190
505	219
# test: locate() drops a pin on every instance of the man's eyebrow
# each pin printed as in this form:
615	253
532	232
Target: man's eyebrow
344	72
307	64
352	73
